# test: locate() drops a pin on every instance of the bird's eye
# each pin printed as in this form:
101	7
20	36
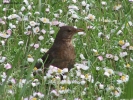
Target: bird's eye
68	30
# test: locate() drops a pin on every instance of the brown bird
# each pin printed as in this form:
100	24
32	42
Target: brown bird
62	53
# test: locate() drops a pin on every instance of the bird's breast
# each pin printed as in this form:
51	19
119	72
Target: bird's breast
68	52
62	55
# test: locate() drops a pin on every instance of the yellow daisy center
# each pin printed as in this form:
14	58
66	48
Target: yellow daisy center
123	78
44	20
53	79
10	86
34	98
128	65
111	87
116	92
86	76
29	56
59	71
35	68
91	17
37	30
109	71
121	42
96	53
131	47
62	88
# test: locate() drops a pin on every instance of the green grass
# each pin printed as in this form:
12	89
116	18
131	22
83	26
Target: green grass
17	55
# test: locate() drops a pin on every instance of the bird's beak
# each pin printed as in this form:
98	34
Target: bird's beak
79	30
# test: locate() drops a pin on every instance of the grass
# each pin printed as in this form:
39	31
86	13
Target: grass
104	71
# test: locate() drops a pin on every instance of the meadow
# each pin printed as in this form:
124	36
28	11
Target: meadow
104	51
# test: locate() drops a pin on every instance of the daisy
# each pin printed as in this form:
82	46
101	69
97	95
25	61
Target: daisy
43	50
82	56
44	20
7	66
90	17
30	58
73	7
2	59
108	72
117	7
32	23
83	3
36	30
123	54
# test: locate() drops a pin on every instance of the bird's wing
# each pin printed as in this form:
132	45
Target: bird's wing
55	56
47	58
58	57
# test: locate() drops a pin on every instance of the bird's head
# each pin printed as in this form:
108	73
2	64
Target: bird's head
67	32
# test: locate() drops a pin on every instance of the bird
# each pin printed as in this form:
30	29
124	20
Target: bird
62	52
